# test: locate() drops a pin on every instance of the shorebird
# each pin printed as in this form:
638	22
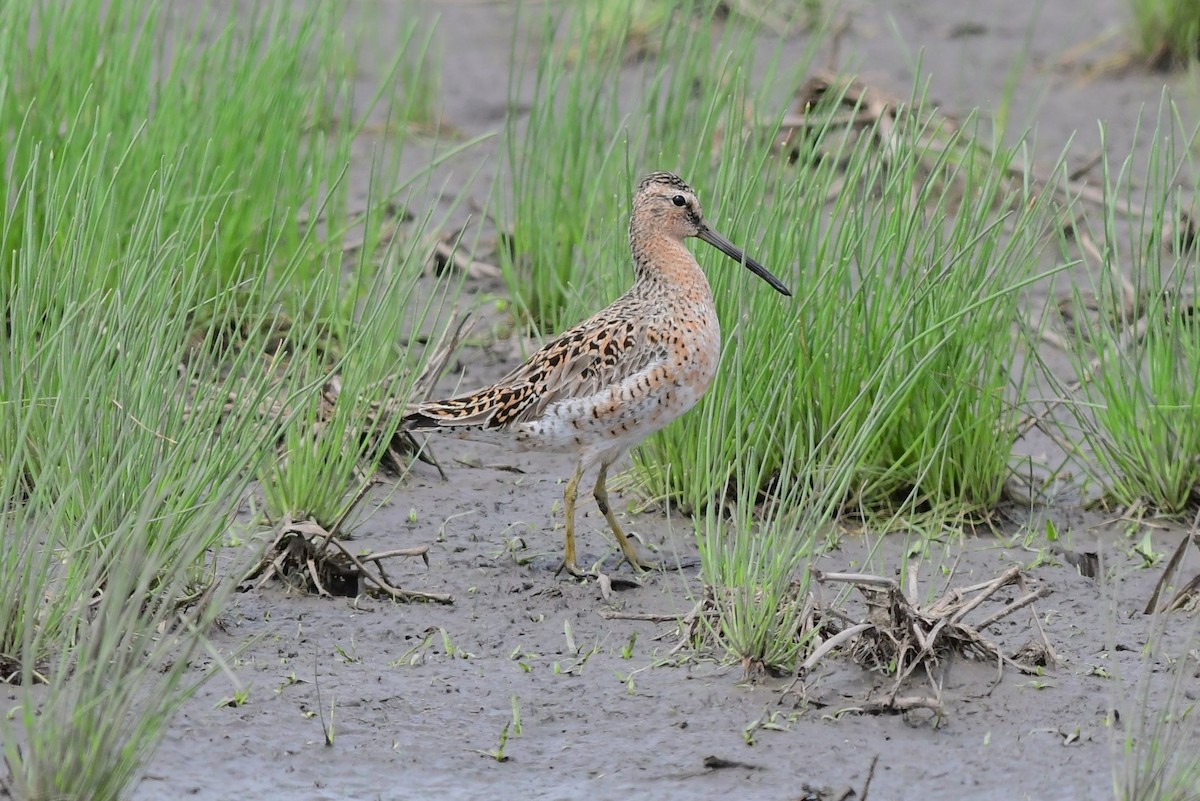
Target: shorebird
606	384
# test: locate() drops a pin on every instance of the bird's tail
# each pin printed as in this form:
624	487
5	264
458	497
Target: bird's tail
478	410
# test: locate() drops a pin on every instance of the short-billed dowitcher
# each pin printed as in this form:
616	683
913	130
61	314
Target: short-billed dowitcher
608	383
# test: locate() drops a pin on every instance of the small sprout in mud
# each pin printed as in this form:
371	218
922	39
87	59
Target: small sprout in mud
413	656
569	633
987	739
1145	550
627	649
516	717
1099	671
575	666
347	658
1051	531
1042	558
240	696
441	535
770	721
307	714
328	728
497	753
412	516
523	659
515	544
288	681
450	649
1037	684
472	590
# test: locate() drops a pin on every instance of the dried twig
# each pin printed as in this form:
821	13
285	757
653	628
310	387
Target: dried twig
447	253
301	557
1168	575
649	617
902	636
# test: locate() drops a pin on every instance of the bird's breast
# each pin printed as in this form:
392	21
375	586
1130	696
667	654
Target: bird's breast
696	349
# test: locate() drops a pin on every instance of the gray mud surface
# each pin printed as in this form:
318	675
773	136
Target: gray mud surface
414	712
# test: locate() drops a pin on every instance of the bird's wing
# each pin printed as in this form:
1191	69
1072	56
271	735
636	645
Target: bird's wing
599	352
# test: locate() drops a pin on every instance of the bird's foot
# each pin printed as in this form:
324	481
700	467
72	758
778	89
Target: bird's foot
575	570
641	566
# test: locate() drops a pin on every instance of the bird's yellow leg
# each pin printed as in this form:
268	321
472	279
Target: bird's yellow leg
569	564
600	491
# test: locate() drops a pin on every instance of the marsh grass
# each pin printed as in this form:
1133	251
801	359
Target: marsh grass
1166	32
889	242
581	152
123	471
337	440
908	296
1135	410
122	660
250	106
1157	749
889	386
1159	759
560	169
174	218
124	465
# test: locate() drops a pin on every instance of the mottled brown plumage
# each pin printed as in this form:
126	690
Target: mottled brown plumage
609	382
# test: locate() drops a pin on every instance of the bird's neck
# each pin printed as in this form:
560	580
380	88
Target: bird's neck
663	264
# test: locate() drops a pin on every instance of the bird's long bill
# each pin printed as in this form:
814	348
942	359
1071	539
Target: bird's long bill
737	254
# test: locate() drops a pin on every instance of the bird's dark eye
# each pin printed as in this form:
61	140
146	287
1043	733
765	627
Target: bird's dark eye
679	200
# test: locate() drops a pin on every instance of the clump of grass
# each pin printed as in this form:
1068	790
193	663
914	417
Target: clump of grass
1135	407
1160	755
1166	32
252	107
155	276
338	439
560	170
123	469
120	662
101	397
754	552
